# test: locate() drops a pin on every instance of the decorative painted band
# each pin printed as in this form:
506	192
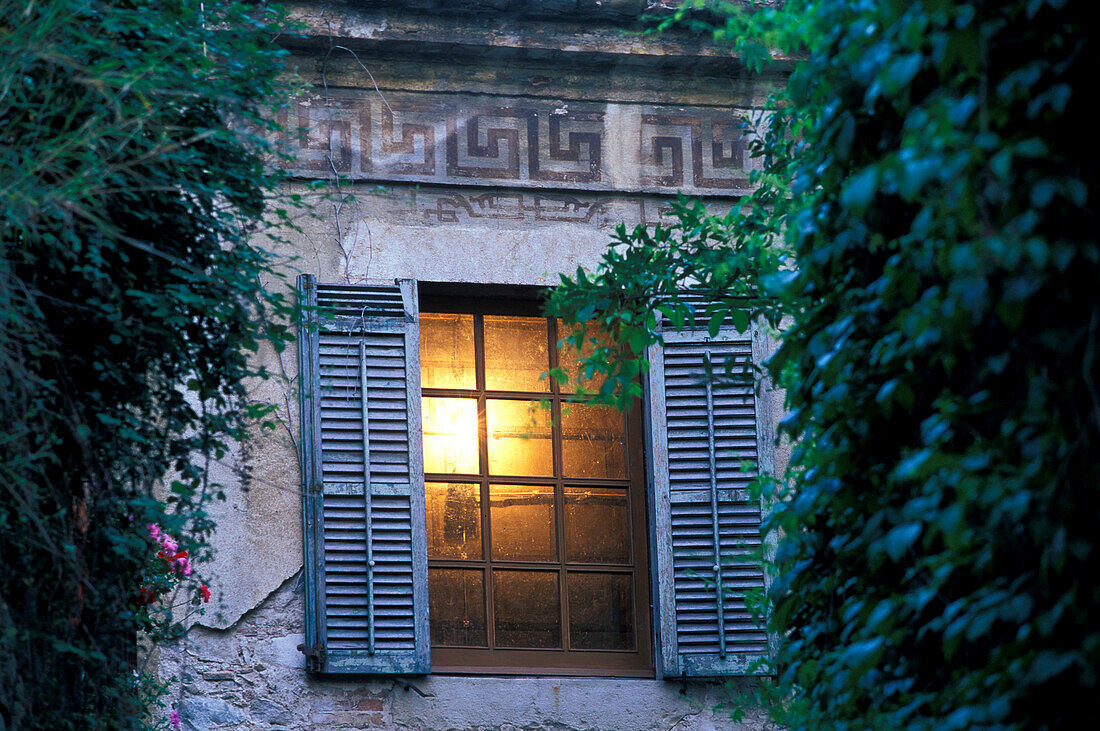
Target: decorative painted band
519	142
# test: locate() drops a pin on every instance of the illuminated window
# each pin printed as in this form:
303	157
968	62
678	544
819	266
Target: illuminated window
526	550
535	504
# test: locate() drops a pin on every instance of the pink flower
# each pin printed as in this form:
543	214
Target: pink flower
176	559
174	719
205	592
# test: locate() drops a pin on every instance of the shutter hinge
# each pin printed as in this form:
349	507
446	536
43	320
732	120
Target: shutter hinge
317	488
315	658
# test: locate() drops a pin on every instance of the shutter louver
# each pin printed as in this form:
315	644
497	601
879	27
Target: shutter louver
366	561
702	429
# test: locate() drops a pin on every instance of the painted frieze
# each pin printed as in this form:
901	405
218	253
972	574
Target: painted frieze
500	142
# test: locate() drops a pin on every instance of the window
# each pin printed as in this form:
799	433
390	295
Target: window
535	505
448	517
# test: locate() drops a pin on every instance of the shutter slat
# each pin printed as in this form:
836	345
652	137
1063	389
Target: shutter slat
369	607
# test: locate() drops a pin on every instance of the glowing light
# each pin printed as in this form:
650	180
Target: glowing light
450	435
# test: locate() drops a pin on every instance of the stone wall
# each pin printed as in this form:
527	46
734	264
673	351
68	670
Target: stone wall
411	190
251	676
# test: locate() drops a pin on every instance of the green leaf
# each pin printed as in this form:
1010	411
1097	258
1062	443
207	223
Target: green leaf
860	189
912	466
901	538
714	324
900	71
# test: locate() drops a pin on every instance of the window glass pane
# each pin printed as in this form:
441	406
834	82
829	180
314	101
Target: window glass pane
601	613
522	520
593	441
597	525
454	520
516	353
569	358
446	351
456	600
450	435
527	611
519	438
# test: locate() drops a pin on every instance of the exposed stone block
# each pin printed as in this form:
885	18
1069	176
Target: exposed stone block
216	676
199	713
270	712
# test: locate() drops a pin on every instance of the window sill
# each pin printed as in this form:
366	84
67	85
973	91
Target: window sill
543	672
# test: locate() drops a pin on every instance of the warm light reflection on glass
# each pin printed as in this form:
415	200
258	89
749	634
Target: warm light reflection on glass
454	520
516	353
580	379
522	517
512	564
450	435
527	608
519	438
446	351
593	441
597	525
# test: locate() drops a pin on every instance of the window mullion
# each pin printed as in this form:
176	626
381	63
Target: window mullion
483	486
559	489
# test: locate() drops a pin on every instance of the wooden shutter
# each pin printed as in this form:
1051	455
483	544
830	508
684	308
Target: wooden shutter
705	524
363	478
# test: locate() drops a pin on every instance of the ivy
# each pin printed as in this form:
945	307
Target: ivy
923	231
132	181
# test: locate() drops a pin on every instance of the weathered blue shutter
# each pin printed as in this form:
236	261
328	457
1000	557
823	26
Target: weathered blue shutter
363	478
706	527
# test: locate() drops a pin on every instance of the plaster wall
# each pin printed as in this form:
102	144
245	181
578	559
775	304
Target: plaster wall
239	665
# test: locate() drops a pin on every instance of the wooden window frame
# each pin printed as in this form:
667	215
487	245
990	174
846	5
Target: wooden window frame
563	661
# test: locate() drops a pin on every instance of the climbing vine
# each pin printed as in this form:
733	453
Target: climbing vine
133	139
924	228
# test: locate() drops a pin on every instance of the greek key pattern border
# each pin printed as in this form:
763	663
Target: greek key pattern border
517	143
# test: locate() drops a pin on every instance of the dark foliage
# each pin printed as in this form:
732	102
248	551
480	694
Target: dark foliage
129	297
931	171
